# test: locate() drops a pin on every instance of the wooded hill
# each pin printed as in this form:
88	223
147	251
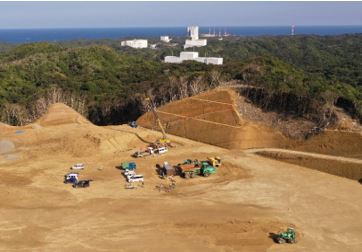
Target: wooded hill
107	83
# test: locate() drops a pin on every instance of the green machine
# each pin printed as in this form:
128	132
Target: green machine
190	169
207	169
286	237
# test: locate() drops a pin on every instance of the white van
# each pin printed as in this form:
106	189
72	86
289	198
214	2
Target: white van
162	150
135	178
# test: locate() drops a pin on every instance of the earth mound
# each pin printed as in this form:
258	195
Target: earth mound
59	114
212	118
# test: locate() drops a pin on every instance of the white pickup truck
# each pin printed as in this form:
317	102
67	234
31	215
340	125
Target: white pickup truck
135	178
79	166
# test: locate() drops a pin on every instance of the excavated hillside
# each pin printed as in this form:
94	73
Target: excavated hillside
334	142
212	118
223	118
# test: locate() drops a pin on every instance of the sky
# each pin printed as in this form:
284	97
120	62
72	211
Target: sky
144	14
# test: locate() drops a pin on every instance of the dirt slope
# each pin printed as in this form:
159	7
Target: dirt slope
334	142
340	166
212	118
59	114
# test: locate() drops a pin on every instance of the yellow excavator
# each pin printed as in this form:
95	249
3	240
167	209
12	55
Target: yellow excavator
164	140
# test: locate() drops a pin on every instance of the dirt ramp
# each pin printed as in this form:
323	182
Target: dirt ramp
59	114
212	118
342	168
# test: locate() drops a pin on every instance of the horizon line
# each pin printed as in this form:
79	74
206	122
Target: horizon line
176	26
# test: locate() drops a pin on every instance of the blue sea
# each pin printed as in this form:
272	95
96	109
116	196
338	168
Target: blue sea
52	35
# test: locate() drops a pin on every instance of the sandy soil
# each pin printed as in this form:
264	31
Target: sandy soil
334	142
212	118
234	210
340	166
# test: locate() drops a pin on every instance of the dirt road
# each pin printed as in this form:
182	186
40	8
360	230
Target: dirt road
307	154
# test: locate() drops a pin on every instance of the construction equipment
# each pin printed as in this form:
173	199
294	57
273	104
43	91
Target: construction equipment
82	183
214	161
286	237
164	139
189	169
207	169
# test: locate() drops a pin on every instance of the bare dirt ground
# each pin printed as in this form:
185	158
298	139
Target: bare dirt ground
212	118
340	166
234	210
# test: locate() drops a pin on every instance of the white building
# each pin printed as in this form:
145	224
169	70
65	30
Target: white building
193	56
193	32
210	60
135	43
166	39
195	43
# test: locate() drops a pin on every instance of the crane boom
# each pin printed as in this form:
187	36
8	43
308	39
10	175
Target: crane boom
154	111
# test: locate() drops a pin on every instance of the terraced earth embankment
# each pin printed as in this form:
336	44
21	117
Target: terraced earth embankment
337	165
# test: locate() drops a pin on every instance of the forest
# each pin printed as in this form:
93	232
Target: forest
107	83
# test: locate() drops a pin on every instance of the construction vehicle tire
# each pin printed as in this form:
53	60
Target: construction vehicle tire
187	175
206	174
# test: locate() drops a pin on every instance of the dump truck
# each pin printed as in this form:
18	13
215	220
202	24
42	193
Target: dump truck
189	168
286	237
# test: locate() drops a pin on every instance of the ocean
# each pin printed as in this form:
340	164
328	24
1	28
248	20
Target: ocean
19	36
